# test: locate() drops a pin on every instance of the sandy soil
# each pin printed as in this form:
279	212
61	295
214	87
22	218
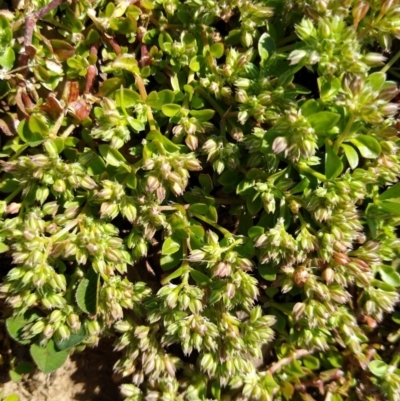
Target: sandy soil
86	376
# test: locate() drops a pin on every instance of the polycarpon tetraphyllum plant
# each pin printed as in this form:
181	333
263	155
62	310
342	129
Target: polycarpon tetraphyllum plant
213	184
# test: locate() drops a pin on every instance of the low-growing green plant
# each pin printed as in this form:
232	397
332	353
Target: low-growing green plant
211	182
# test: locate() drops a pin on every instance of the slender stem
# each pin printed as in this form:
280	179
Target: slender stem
68	131
13	194
54	131
280	307
210	100
287	48
342	137
18	152
30	23
222	230
286	361
306	169
64	231
229	201
306	225
288	39
143	94
391	62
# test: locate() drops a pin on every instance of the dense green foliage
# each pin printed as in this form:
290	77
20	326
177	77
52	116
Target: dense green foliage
211	182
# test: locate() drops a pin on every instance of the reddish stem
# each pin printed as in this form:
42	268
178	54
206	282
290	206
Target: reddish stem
30	23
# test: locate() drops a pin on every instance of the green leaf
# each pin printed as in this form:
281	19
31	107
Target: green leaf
254	205
196	63
329	89
74	339
199	277
287	390
110	85
255	232
16	324
87	293
266	46
12	397
177	273
62	49
269	382
300	187
217	50
309	107
7	58
3	247
158	99
390	206
391	193
389	275
111	156
311	362
93	162
323	121
126	62
168	262
170	246
351	155
203	115
206	182
333	164
127	98
171	109
47	358
268	272
376	80
199	208
38	125
368	146
165	41
378	368
25	133
21	369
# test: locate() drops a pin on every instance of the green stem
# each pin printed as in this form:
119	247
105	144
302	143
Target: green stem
394	73
306	225
13	194
222	230
68	131
18	152
342	137
287	48
215	105
70	289
306	169
210	100
391	62
64	231
143	94
288	39
281	308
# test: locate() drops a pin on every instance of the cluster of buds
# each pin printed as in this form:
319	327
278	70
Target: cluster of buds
114	201
334	46
298	139
59	324
41	173
368	98
169	172
193	130
221	154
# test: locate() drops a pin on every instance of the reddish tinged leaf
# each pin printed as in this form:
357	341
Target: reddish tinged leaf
80	109
63	50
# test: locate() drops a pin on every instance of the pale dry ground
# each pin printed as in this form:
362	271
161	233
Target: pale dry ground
86	376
